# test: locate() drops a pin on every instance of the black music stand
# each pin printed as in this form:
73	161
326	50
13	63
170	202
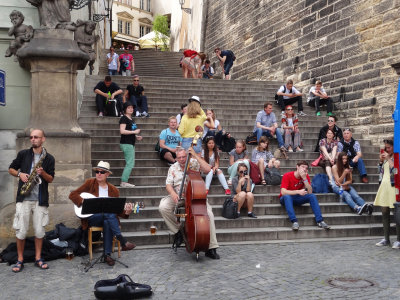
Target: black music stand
103	205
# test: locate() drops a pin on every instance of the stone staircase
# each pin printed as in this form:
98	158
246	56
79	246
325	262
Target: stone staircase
150	63
236	104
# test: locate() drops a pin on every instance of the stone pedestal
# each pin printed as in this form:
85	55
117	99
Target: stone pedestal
53	58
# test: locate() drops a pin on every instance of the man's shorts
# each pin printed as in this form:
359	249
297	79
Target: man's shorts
22	215
227	67
165	151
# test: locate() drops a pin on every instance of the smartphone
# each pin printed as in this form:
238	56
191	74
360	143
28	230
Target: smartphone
382	150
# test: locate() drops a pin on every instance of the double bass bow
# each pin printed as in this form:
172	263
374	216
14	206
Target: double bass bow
196	229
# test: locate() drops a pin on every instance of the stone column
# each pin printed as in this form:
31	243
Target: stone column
53	58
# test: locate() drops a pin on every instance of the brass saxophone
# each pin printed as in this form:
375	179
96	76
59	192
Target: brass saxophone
33	178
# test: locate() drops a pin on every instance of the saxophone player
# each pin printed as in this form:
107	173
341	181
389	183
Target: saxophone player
35	169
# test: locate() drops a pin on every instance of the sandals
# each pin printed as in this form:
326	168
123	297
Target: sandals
263	182
41	264
19	266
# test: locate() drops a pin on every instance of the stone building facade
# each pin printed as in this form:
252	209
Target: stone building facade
348	44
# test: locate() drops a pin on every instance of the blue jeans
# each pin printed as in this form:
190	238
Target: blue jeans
296	200
260	132
360	166
140	103
112	72
186	142
351	197
110	225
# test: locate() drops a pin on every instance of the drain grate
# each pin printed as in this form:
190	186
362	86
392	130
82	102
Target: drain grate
350	283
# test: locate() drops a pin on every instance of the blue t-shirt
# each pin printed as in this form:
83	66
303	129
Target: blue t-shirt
171	139
228	55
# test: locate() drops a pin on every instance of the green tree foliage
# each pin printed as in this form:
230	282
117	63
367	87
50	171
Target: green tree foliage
160	27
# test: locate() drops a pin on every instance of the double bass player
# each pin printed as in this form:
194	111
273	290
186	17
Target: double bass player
173	184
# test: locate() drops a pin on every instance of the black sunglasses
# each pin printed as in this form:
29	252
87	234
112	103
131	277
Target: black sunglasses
100	172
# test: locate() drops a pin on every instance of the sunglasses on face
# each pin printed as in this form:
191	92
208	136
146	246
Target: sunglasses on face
35	137
289	108
100	172
241	172
331	121
136	80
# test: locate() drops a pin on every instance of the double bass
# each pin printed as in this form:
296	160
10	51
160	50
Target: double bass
196	228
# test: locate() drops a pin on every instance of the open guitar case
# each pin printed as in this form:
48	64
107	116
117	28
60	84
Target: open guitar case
121	288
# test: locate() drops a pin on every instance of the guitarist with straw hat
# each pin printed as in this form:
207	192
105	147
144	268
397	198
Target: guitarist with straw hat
99	187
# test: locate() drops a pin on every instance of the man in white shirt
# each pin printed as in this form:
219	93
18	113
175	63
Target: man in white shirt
113	62
288	94
318	96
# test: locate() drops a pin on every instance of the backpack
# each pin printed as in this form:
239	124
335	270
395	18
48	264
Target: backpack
227	143
320	184
189	53
111	108
284	90
232	55
255	173
272	176
251	139
229	208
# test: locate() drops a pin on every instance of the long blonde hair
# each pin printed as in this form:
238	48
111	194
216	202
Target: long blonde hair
194	109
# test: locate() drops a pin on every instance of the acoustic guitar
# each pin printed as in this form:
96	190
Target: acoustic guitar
78	210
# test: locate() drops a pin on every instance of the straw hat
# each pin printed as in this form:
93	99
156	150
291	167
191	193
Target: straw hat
103	165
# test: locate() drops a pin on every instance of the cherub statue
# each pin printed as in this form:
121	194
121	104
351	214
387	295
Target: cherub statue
23	33
54	13
85	38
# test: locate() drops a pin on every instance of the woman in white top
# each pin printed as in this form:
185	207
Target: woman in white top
211	156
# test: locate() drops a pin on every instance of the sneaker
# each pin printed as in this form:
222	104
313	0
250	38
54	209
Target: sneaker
145	114
370	209
295	226
229	181
100	114
137	114
358	210
364	208
301	113
251	215
290	150
206	192
227	192
126	185
329	114
383	242
323	225
364	179
298	149
318	114
396	245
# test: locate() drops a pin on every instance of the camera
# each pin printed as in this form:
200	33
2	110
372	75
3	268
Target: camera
245	173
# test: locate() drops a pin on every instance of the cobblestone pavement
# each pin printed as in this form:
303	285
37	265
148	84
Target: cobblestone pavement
289	270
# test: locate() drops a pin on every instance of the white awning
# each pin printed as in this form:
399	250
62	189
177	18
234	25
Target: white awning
126	39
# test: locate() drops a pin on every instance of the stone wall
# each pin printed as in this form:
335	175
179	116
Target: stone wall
348	44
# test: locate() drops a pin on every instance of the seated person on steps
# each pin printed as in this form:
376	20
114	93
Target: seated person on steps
296	190
170	139
99	187
267	125
318	96
134	93
106	90
288	94
242	190
173	184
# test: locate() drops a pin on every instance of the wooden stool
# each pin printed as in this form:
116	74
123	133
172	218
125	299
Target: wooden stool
90	241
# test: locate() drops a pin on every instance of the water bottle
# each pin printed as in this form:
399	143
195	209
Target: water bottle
341	193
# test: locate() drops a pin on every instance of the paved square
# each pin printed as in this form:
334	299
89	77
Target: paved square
263	271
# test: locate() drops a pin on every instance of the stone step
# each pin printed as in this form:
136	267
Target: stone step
261	210
262	221
159	190
264	234
143	179
260	199
117	153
